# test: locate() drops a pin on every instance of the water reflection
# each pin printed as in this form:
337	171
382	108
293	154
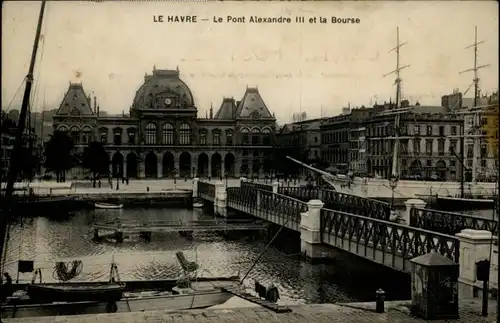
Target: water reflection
46	242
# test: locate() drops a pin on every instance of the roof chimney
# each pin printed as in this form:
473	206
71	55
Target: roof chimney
211	111
95	104
97	110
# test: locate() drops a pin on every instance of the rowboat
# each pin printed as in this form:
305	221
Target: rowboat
54	292
201	294
197	205
107	206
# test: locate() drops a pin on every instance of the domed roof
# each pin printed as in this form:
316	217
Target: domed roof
163	90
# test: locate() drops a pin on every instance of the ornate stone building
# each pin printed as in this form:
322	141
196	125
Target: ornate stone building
162	135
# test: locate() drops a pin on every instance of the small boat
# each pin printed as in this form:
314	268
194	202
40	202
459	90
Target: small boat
449	203
201	294
55	292
108	206
197	205
188	292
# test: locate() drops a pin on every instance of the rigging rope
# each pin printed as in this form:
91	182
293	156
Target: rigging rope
63	273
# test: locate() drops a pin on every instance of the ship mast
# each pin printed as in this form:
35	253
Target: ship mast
477	116
18	144
395	156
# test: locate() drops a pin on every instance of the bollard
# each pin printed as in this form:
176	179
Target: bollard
380	301
147	189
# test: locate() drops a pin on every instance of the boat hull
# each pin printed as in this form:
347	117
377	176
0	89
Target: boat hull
108	206
381	188
455	204
79	293
202	299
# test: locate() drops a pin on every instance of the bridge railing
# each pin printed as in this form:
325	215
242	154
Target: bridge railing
341	201
276	208
450	222
391	238
206	190
260	186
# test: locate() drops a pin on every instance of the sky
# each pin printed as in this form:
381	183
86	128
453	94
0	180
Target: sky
314	67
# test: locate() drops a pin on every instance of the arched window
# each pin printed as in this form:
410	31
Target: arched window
255	137
229	137
62	129
203	137
131	136
75	135
150	134
216	137
87	135
117	136
168	134
185	134
266	136
103	132
245	136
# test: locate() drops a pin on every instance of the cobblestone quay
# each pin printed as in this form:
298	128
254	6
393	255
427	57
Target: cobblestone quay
397	312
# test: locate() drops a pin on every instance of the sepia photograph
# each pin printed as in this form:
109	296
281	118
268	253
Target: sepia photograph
237	161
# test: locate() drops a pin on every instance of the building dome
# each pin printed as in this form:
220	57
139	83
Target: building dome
163	90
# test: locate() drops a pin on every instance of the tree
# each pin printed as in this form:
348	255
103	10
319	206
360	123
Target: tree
59	154
95	159
286	166
29	164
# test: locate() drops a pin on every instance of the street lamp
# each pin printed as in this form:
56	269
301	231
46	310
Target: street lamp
117	177
393	183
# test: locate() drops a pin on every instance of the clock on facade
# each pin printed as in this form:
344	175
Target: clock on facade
168	101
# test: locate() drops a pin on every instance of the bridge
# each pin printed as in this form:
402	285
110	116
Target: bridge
145	228
326	219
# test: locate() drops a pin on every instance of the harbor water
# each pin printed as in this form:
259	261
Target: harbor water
47	241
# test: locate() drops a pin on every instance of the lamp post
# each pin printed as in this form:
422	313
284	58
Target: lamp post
393	183
194	172
175	178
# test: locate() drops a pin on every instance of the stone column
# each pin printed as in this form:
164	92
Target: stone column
310	234
210	167
222	169
140	170
196	180
275	185
124	168
410	204
176	164
475	245
220	199
159	168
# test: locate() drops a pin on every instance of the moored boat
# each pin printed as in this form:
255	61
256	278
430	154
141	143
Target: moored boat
108	206
449	203
56	292
200	294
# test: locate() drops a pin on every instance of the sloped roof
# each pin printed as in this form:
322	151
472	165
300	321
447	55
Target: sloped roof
75	102
252	106
160	84
227	109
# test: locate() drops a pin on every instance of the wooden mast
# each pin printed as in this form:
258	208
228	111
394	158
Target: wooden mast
18	144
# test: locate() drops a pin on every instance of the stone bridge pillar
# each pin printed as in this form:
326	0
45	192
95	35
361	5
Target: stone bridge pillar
196	180
475	245
411	204
220	199
311	246
276	186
